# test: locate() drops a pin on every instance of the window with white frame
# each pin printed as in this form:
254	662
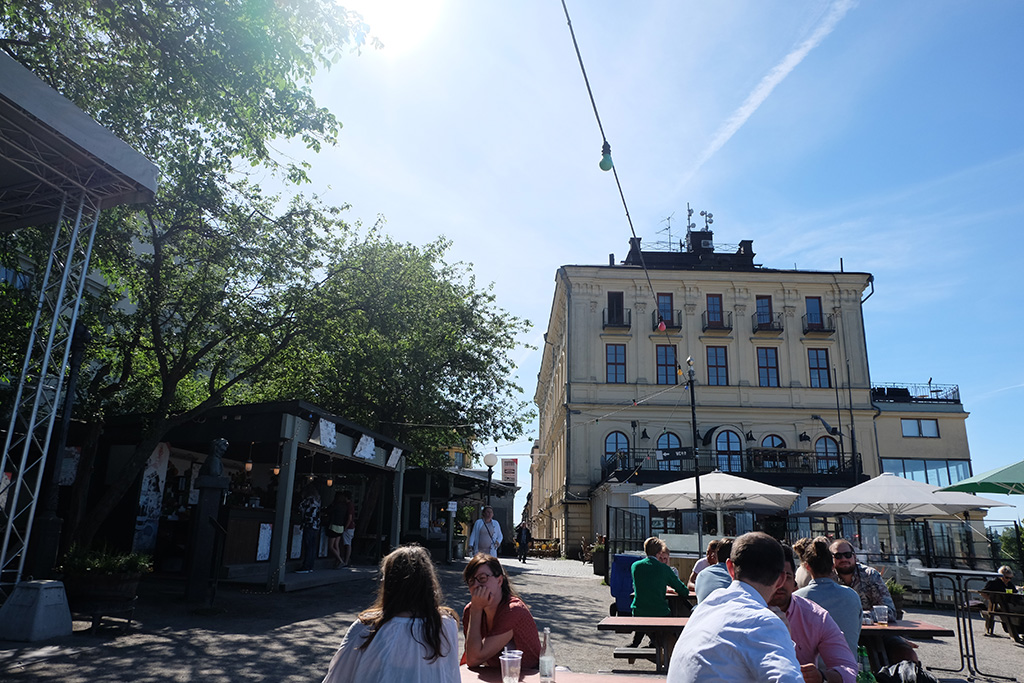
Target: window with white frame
920	428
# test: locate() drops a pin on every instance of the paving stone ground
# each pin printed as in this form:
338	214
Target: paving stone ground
290	637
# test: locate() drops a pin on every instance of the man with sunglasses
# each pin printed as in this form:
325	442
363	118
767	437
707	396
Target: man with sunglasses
866	581
872	591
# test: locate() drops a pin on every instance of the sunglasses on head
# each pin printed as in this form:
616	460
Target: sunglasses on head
845	556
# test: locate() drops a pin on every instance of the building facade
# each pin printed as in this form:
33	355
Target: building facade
782	391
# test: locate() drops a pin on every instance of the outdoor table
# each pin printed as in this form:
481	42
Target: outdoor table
1009	609
872	637
664	631
491	674
960	580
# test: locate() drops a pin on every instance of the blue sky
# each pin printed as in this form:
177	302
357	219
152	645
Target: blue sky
886	134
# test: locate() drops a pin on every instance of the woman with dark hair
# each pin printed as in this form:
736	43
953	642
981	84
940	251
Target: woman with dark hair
495	616
407	635
842	603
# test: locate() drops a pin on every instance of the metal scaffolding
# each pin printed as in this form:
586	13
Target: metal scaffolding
57	167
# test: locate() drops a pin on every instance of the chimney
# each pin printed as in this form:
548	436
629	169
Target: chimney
611	259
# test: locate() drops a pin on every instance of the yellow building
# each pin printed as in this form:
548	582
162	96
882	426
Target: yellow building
783	392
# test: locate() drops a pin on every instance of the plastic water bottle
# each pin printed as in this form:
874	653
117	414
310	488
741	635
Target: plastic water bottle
547	658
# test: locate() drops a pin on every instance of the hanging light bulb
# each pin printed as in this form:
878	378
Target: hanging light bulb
277	467
661	325
606	157
276	470
330	480
330	472
248	463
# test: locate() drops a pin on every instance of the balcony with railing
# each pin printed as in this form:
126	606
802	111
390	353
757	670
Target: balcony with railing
766	323
716	321
775	466
620	319
915	393
819	325
673	319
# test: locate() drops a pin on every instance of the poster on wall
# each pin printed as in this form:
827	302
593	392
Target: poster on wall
151	500
325	434
69	465
509	470
366	448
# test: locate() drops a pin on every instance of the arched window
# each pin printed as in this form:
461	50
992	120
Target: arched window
667	441
614	443
773	441
727	446
827	451
669	461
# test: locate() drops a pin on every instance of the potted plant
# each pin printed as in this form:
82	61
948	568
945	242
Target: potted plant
896	590
94	576
600	558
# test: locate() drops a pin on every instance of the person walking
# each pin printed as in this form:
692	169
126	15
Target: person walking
523	540
486	535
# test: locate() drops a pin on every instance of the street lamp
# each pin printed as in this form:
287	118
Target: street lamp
696	459
491	459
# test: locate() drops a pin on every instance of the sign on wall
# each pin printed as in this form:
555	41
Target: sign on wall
509	470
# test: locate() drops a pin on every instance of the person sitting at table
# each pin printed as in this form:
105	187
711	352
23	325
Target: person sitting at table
842	603
407	635
733	635
994	593
717	575
803	577
496	616
651	576
710	558
872	591
815	635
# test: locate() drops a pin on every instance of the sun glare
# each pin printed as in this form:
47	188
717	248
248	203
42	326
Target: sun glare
401	25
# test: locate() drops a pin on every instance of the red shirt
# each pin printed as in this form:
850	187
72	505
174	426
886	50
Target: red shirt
511	616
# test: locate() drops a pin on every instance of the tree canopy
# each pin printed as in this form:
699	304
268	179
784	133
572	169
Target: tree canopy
220	292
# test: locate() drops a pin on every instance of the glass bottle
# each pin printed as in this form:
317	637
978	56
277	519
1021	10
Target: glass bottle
547	658
864	674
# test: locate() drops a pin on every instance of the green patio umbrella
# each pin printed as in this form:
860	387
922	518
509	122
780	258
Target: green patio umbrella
1008	479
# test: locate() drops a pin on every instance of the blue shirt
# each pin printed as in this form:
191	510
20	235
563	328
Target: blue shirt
733	636
715	576
842	604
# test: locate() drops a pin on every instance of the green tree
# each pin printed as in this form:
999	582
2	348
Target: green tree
423	357
203	88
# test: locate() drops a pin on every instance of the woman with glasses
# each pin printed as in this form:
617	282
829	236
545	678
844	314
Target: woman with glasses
407	635
495	616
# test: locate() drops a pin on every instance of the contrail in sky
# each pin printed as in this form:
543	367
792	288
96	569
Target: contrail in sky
768	83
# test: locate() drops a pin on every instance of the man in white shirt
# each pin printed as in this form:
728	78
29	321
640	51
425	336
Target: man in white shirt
732	635
486	535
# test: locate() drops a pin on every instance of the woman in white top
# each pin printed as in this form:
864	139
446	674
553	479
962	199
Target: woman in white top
407	635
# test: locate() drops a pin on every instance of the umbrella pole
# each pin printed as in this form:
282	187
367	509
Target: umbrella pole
720	518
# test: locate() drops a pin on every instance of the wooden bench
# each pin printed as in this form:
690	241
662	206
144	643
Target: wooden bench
1013	621
663	631
634	653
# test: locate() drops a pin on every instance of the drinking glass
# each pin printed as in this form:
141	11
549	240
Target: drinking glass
510	665
882	614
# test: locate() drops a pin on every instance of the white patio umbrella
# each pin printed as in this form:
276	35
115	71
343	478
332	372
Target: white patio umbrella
718	492
888	495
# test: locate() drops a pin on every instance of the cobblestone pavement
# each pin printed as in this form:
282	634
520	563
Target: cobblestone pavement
290	637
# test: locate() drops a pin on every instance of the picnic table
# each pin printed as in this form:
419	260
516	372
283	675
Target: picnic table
1009	608
873	637
664	631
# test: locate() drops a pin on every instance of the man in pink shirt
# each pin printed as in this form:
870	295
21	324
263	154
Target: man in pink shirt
814	633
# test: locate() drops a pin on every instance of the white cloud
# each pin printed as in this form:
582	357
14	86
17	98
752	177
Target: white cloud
772	79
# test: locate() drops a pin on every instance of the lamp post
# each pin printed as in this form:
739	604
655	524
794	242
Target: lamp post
491	459
696	458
